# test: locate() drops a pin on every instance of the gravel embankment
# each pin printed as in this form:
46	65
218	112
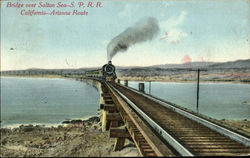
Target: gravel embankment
76	139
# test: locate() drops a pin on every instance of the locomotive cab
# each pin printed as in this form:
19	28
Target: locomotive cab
108	71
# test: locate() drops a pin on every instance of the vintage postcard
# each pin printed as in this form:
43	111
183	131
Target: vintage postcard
84	78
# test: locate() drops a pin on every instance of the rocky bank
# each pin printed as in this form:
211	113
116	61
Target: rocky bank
77	138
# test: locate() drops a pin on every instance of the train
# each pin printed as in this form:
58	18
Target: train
107	72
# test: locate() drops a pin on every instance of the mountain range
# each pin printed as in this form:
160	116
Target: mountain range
207	65
238	64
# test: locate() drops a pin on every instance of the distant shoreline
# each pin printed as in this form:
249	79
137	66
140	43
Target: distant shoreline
139	79
34	76
182	81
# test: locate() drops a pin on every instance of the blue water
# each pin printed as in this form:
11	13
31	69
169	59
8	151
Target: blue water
45	101
51	101
217	100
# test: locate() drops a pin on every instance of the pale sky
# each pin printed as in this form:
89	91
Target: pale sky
204	30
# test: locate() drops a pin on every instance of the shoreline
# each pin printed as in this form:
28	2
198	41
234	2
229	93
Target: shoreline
76	138
137	79
194	82
46	125
181	81
89	118
34	76
241	125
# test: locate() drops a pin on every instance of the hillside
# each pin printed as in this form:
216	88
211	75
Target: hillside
238	71
239	64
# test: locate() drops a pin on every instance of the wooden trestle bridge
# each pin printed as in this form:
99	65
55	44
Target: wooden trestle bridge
158	128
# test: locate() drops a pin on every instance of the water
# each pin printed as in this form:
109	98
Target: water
51	101
217	100
45	101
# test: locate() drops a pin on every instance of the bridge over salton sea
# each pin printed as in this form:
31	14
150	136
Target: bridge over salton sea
160	128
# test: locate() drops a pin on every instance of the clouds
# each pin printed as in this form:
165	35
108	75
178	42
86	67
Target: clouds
172	27
174	21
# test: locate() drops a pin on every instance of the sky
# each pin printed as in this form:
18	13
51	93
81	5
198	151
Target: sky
195	30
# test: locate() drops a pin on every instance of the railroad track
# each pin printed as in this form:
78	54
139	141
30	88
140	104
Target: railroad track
153	125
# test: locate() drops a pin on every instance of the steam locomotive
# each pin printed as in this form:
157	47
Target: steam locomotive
107	72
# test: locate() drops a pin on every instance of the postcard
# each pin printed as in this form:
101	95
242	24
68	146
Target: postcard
102	78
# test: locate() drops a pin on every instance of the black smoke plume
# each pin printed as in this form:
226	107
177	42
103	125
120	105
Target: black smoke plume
142	31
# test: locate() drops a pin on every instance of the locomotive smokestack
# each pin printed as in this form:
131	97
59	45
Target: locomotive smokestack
142	31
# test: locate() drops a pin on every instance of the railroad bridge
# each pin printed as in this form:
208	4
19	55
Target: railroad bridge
160	128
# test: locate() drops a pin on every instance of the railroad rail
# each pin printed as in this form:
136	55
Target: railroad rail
160	129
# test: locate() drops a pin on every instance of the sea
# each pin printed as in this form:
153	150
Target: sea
45	101
216	100
49	101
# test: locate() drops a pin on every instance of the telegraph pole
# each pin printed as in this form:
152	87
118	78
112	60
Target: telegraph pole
198	86
150	87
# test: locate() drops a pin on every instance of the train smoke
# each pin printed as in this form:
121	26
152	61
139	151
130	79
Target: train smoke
142	31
